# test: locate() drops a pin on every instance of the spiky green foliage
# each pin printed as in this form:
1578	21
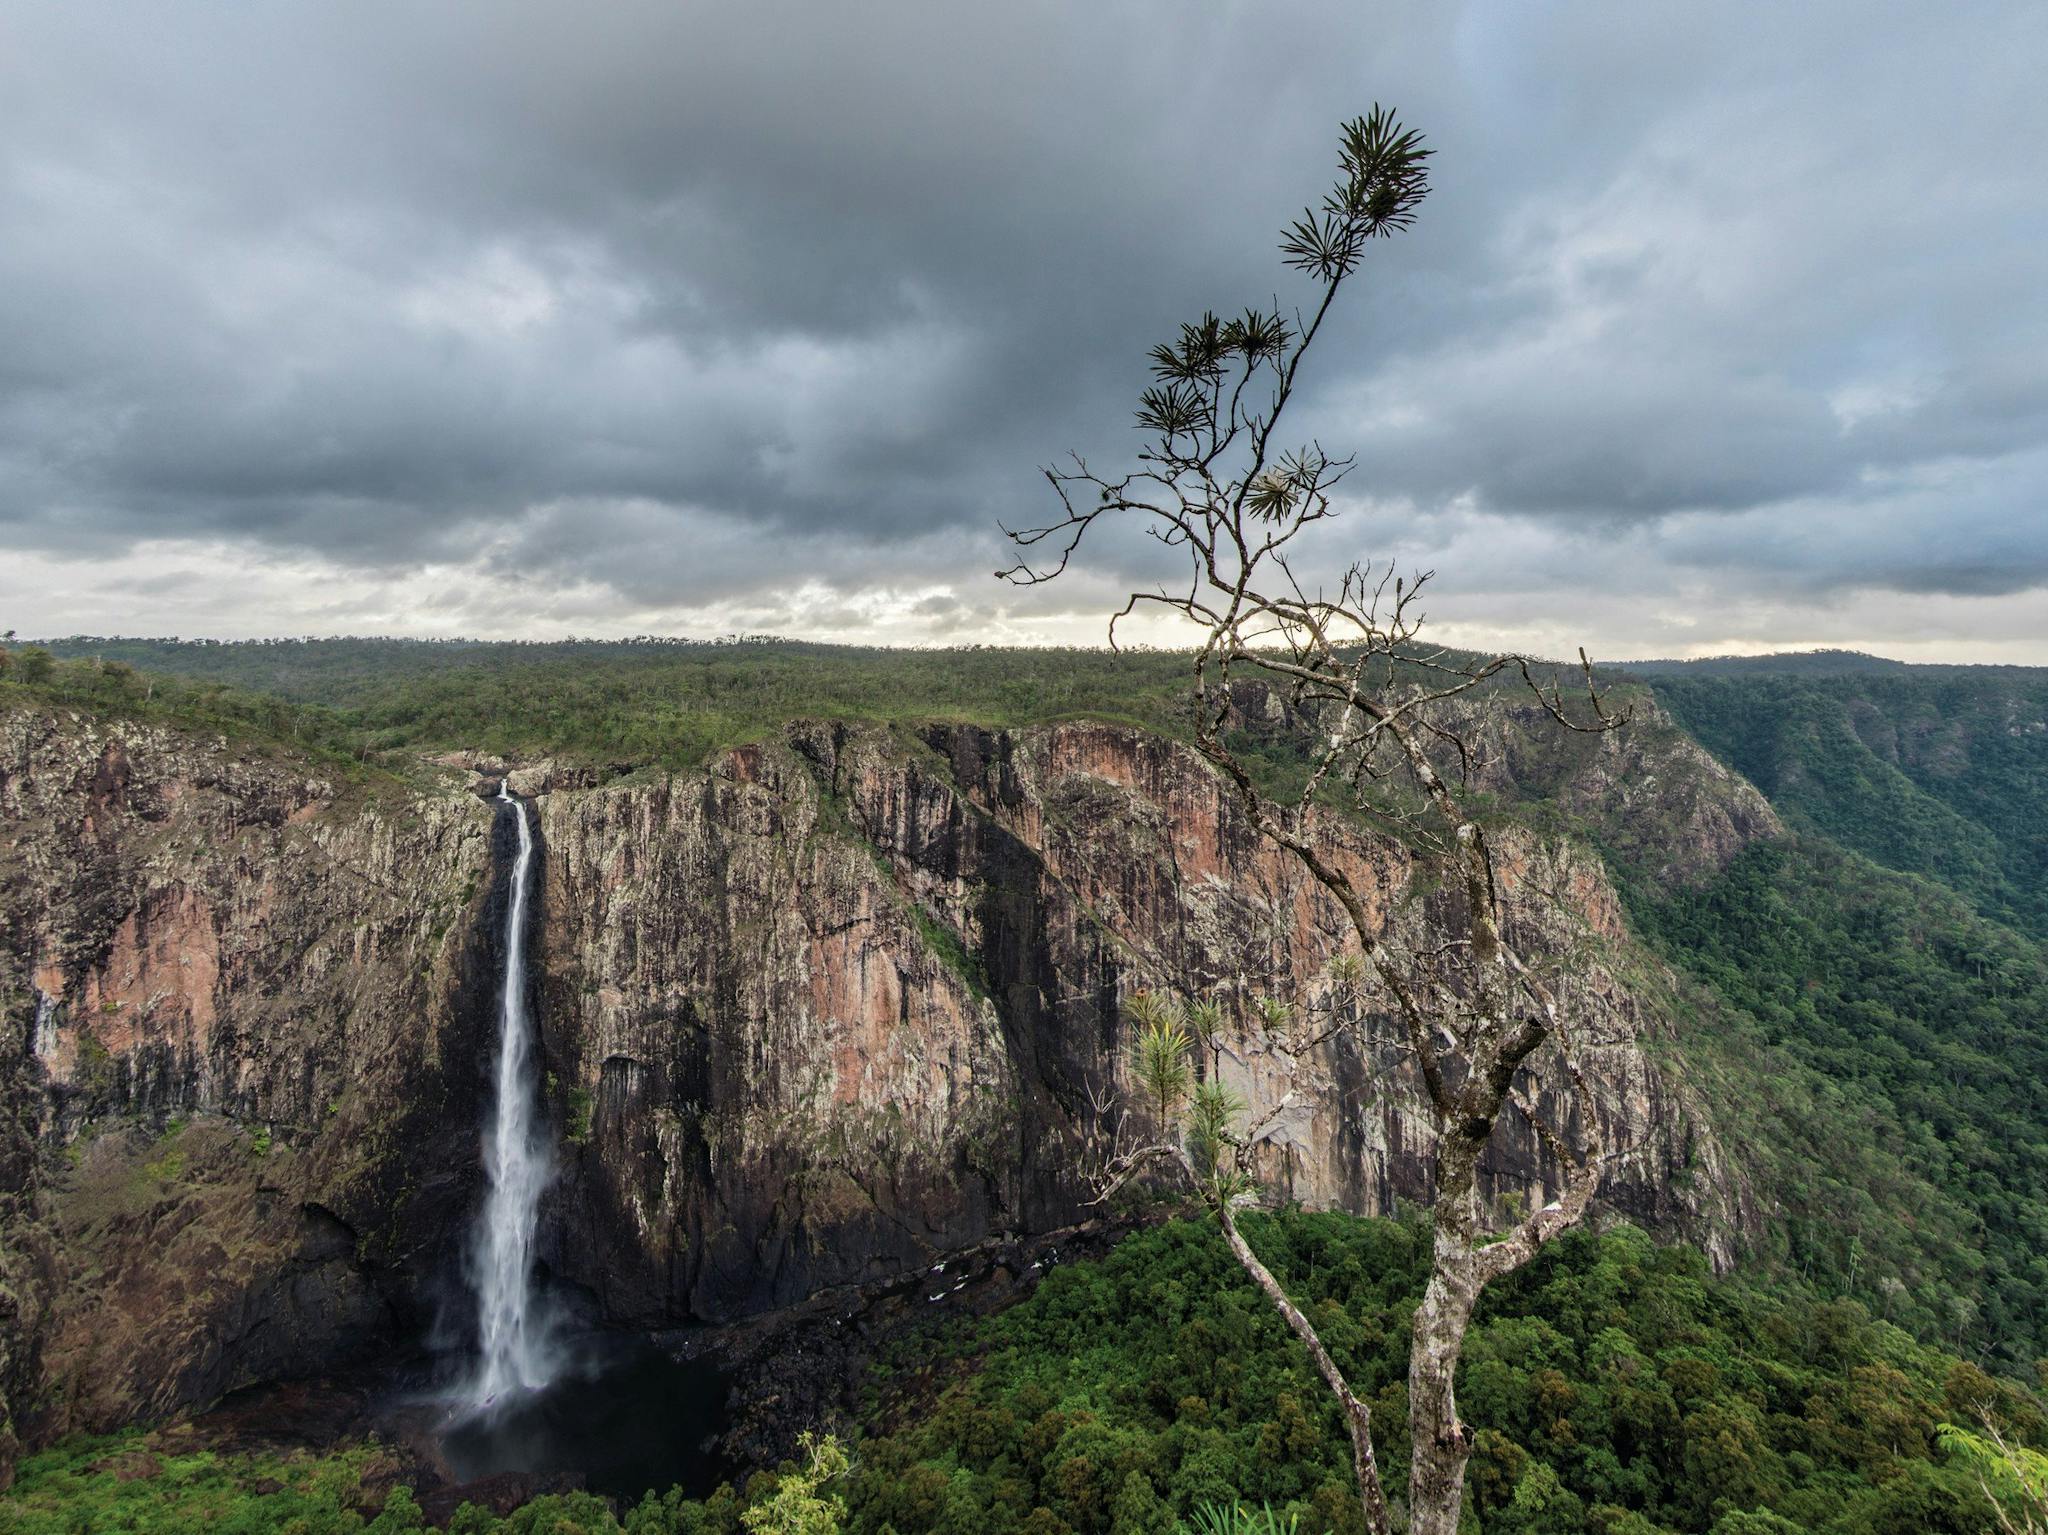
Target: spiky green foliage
1346	971
1242	1519
1385	178
1159	1058
1214	1112
1173	410
1273	1013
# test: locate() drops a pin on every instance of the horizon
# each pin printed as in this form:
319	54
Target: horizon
739	641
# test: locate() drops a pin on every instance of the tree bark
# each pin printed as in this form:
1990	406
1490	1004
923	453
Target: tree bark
1441	1443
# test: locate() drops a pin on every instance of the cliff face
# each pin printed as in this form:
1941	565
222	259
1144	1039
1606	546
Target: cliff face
239	1027
841	1005
851	1002
1667	807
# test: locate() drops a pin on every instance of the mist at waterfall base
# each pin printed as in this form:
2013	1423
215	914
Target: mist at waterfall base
541	1395
628	1418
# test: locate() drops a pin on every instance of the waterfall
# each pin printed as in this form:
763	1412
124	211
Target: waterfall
516	1354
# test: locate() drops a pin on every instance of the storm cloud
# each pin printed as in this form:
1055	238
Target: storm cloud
1724	326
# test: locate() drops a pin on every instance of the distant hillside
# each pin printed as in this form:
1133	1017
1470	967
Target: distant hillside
1936	771
1782	663
1885	969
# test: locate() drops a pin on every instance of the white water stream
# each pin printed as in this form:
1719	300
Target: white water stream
516	1355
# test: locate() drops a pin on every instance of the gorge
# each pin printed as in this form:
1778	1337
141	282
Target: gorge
820	1016
808	1022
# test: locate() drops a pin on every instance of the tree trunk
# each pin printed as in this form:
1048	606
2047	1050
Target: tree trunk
1442	1444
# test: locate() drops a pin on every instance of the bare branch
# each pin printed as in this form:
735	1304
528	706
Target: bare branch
1381	724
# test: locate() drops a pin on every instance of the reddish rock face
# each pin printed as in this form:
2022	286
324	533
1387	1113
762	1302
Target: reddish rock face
238	1030
839	1005
852	1002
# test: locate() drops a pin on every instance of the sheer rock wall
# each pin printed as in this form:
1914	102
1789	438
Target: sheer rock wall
837	1006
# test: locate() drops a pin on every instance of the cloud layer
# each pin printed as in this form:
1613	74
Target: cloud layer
1723	328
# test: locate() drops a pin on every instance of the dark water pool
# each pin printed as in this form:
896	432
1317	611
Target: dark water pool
630	1418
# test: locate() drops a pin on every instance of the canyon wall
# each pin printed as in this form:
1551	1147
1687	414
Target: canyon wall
841	1004
851	1001
239	1035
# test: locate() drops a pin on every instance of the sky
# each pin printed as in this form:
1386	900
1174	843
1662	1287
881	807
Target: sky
1724	328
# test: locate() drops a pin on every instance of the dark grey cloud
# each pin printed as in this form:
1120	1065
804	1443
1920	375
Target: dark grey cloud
642	310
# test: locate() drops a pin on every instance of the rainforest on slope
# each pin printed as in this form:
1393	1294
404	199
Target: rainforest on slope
1861	995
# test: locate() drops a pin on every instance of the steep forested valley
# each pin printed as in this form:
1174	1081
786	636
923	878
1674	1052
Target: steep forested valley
831	951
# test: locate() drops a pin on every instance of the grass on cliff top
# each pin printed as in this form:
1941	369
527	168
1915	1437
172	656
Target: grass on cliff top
659	703
250	721
651	702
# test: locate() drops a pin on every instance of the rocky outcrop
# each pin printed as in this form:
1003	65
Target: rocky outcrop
851	1001
1666	807
244	1000
841	1005
26	1257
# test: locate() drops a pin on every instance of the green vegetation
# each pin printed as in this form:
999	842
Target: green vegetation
1241	1519
130	1482
1872	1029
659	702
576	1125
1939	771
1864	1002
1781	663
663	703
1616	1385
114	688
2012	1475
800	1504
1876	1053
89	1485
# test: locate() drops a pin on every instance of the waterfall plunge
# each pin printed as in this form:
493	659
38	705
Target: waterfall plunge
516	1350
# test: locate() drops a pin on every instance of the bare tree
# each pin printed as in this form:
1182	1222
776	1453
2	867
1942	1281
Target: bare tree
1389	722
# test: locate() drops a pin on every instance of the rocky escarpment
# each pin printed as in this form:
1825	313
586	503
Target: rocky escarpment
842	1004
851	1001
240	1034
1653	797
